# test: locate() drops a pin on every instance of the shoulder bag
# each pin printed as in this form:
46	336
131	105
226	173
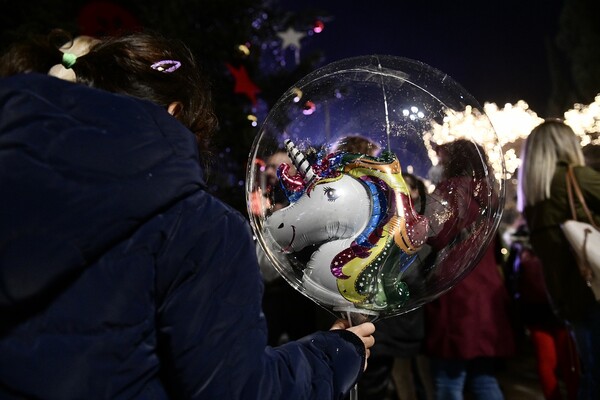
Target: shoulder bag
583	237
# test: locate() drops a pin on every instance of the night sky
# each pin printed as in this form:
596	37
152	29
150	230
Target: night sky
495	50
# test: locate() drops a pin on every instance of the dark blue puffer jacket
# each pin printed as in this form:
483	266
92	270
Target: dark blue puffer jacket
120	276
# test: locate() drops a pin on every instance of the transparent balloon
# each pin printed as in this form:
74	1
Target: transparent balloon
374	185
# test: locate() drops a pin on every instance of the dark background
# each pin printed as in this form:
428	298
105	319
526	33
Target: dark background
499	51
546	52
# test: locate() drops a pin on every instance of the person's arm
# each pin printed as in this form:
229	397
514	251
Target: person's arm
212	333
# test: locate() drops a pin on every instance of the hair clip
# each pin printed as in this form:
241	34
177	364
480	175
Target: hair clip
159	66
68	60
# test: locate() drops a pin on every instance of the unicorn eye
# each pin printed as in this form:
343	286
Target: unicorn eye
330	193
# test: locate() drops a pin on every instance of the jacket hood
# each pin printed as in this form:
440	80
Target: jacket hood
81	170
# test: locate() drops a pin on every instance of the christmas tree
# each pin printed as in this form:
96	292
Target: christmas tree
250	49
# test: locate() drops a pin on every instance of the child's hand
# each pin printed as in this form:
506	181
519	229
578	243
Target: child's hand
364	331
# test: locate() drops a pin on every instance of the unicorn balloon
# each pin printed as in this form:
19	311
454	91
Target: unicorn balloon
357	211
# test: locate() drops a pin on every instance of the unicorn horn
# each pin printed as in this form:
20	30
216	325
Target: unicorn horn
300	161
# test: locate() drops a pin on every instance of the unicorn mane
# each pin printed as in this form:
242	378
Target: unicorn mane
368	271
371	268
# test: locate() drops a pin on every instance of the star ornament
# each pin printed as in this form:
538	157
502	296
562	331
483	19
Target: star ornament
243	83
290	37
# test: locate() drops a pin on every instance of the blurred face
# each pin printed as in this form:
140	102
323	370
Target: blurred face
273	163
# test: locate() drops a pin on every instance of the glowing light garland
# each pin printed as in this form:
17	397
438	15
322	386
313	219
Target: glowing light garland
585	121
512	123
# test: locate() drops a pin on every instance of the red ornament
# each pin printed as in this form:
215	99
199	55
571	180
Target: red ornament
318	26
243	83
103	18
309	108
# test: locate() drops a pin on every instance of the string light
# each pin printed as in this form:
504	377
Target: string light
244	49
297	94
512	125
585	121
253	119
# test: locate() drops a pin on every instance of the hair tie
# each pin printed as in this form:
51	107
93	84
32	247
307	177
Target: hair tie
68	60
159	66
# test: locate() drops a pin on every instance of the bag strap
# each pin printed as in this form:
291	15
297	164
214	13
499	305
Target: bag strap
568	178
573	186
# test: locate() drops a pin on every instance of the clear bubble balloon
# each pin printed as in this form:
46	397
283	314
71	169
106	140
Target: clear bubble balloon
374	185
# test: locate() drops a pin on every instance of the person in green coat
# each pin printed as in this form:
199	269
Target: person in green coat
549	150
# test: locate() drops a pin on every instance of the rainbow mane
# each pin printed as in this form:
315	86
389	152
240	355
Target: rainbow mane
368	272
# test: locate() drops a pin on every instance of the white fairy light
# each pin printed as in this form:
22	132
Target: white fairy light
511	125
585	121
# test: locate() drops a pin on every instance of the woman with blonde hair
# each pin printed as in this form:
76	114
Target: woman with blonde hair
550	149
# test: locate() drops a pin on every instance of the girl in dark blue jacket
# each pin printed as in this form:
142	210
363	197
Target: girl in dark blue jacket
120	276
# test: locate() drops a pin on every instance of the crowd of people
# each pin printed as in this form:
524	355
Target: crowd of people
121	276
456	346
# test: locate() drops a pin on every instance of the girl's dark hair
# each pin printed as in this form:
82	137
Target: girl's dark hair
122	65
36	53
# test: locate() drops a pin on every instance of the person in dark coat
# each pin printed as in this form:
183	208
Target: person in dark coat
467	329
549	150
468	332
121	277
556	357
